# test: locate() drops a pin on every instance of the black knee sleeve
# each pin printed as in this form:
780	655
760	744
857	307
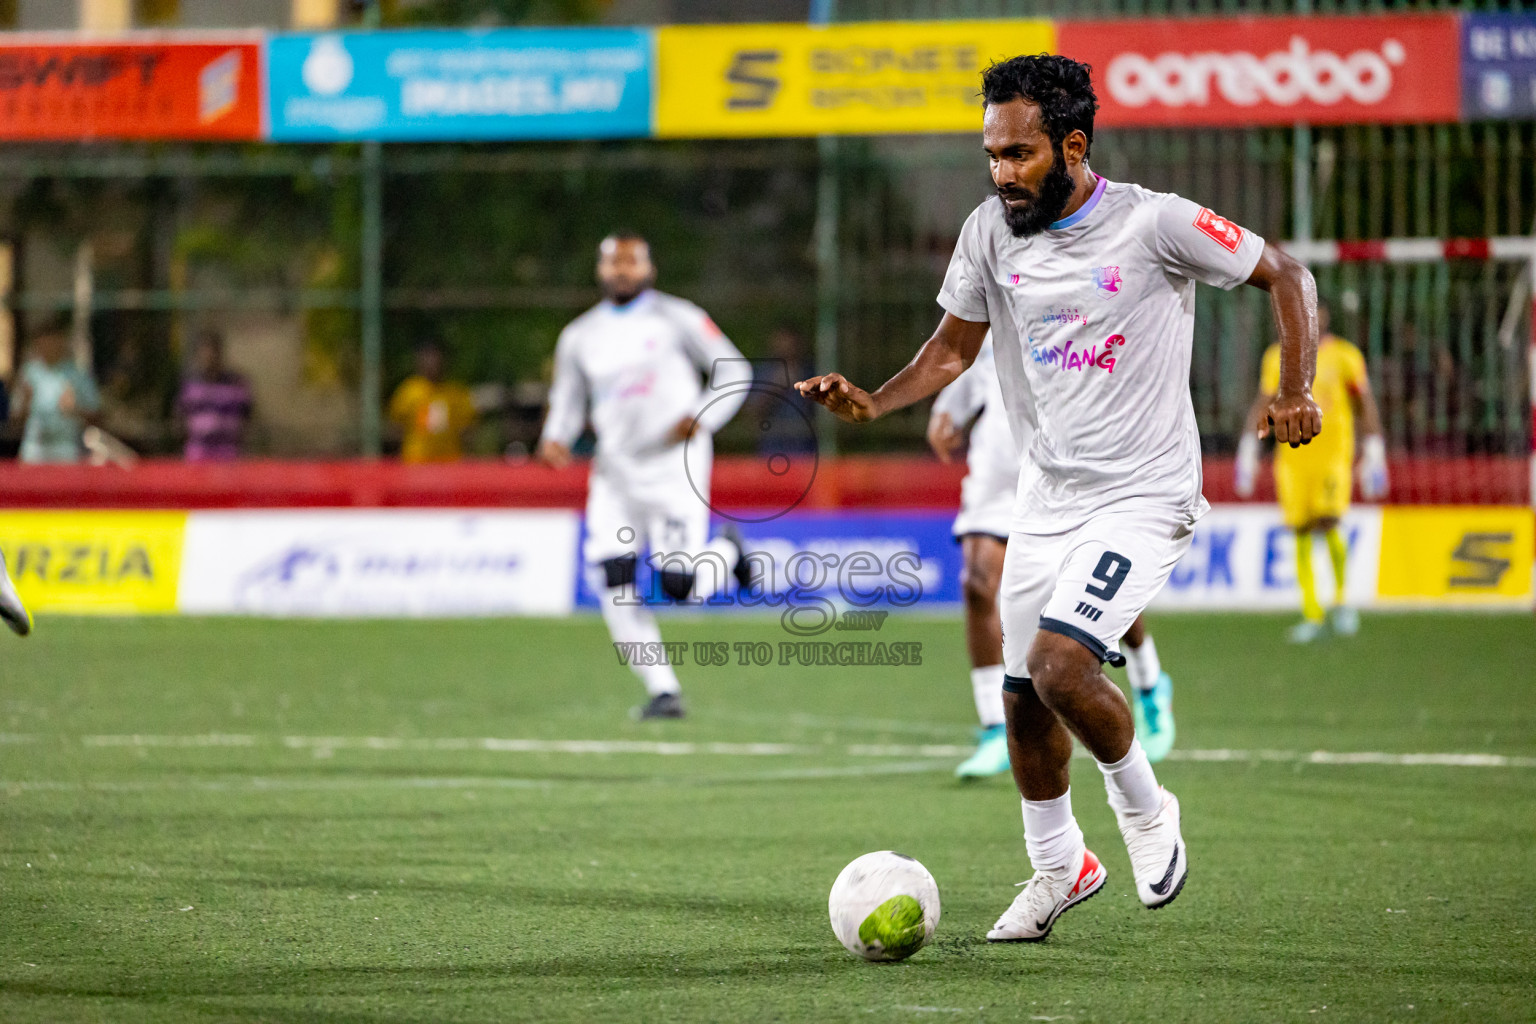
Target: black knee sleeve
676	585
620	571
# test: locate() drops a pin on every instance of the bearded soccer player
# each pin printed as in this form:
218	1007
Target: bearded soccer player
638	359
1313	483
12	610
973	405
1088	287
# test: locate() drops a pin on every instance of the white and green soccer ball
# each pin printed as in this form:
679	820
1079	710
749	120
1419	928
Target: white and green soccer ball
884	906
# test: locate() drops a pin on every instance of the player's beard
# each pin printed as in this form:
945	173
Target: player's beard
1043	208
622	294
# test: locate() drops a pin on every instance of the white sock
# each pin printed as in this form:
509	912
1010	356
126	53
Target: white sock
1132	787
1051	836
713	575
987	688
1142	664
634	623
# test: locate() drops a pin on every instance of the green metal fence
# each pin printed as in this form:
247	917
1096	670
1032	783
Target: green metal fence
841	243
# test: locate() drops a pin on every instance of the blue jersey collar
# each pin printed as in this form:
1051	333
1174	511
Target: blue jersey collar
1085	209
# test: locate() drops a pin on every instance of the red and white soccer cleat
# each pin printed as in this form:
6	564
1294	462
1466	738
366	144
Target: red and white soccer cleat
1043	900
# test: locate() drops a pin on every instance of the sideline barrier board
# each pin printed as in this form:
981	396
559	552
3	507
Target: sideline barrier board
844	559
112	563
860	78
1243	557
1471	556
447	85
476	562
379	563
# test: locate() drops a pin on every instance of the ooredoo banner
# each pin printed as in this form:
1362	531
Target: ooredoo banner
1255	71
165	89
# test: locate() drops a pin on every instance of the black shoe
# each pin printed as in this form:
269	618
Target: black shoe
663	705
742	570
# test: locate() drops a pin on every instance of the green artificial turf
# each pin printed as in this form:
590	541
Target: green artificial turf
299	821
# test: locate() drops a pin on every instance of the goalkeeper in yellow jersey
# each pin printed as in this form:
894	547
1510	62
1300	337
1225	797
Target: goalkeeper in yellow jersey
1313	481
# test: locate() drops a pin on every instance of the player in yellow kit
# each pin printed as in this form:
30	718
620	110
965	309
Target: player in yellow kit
1313	482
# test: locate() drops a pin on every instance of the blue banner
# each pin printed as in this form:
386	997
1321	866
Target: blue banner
830	563
583	83
1498	66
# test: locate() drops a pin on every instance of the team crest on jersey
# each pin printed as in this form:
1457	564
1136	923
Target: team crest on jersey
1220	230
1107	280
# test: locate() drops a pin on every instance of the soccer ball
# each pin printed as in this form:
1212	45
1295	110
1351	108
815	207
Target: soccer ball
884	906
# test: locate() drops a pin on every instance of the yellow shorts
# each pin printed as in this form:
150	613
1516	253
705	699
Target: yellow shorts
1310	489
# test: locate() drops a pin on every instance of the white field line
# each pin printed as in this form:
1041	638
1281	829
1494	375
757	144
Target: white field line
264	784
937	751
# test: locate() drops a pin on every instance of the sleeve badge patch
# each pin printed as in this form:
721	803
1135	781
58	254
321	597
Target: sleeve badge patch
1220	230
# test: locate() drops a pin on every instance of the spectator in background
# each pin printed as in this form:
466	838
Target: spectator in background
214	404
432	413
54	398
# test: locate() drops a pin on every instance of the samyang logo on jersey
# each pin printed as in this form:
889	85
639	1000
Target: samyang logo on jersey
1070	356
1222	231
1107	280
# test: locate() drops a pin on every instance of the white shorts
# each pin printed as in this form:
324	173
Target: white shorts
623	519
986	504
1088	582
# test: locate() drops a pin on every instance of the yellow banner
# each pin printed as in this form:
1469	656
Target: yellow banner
102	562
1471	554
853	79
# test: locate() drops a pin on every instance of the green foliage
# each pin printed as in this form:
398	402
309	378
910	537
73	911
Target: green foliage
491	12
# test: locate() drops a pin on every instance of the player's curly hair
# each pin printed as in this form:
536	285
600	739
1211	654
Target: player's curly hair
1061	87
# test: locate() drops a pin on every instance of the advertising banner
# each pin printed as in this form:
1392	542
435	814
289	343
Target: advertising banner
1257	71
851	79
831	563
444	85
1244	557
1474	555
112	563
1498	66
379	563
64	91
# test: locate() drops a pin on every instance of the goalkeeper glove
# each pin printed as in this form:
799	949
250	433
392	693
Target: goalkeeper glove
1373	467
1247	466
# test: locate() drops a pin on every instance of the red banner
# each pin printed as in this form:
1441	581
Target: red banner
130	90
1251	71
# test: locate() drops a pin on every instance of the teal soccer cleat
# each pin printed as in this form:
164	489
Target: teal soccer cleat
990	758
1153	711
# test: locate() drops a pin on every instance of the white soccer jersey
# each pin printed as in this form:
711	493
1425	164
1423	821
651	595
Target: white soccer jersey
1093	321
638	366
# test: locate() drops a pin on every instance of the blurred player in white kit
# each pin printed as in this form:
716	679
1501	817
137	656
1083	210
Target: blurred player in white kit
974	404
634	365
1088	289
12	610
